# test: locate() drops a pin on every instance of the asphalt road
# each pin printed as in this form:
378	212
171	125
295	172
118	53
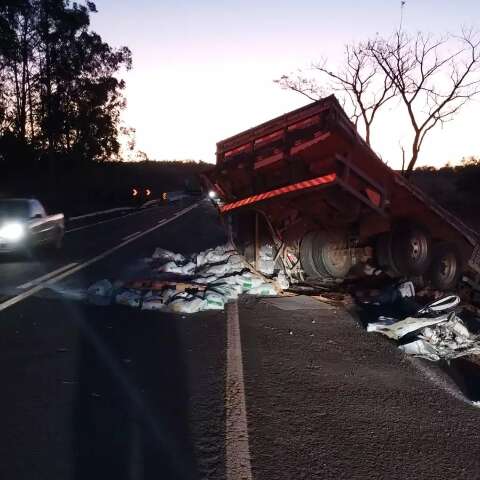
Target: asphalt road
112	392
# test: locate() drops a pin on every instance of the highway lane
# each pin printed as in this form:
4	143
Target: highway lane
112	392
81	242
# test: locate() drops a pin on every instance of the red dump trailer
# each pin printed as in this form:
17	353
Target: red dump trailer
308	183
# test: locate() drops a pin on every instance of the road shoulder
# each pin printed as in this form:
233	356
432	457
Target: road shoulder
327	400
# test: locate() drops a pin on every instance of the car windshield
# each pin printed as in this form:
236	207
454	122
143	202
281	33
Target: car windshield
13	209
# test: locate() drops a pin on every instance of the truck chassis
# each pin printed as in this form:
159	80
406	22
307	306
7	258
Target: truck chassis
308	183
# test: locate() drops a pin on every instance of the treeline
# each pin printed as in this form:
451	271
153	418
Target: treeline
456	187
91	186
60	94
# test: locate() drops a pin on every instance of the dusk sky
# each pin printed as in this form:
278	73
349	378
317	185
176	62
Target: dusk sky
204	70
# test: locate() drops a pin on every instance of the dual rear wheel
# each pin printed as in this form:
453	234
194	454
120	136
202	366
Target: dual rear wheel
406	251
325	255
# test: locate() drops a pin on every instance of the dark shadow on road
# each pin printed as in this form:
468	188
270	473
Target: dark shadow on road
465	372
131	412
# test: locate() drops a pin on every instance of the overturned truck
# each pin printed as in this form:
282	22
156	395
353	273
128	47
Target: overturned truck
308	184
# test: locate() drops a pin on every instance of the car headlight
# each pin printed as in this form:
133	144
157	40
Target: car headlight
12	231
212	194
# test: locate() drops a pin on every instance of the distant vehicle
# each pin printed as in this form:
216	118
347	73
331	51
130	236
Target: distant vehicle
24	225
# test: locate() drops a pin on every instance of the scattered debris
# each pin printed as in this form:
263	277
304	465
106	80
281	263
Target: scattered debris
129	297
266	261
395	329
100	293
188	284
448	340
439	333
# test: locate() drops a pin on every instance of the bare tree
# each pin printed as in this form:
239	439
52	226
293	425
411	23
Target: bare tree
361	85
434	77
308	87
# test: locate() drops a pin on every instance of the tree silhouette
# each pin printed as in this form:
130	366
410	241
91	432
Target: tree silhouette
360	84
60	90
434	77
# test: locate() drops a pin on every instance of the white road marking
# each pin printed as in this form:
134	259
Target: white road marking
102	212
131	235
161	221
238	465
107	221
31	283
81	266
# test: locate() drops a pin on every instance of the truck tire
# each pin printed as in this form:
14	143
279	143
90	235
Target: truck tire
306	259
446	266
383	254
325	255
411	249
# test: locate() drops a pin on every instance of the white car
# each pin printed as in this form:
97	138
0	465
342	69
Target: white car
24	225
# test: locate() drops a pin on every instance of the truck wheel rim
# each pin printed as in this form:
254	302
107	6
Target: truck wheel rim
336	256
418	249
448	268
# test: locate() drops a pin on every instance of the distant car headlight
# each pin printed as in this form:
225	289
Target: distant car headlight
212	194
12	231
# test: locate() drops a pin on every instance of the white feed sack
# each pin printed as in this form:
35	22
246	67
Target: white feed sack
167	256
186	303
100	293
214	255
131	298
221	271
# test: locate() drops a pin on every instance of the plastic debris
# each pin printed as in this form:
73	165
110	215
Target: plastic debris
401	328
442	344
383	322
440	333
420	348
451	339
406	290
444	304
